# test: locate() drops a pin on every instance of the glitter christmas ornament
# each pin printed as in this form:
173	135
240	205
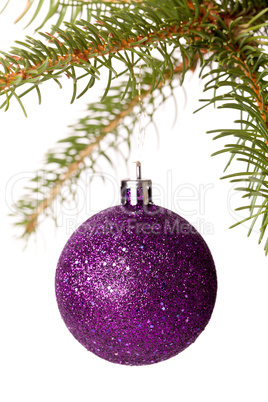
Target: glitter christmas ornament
136	283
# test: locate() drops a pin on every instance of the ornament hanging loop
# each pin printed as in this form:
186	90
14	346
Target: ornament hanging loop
138	170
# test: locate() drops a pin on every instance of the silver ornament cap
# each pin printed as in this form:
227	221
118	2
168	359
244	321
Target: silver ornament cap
137	191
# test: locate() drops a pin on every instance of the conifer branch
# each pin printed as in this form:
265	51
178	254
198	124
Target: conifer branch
229	37
80	57
241	61
72	169
30	220
76	47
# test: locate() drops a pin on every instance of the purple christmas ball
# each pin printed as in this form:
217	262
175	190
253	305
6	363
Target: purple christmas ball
136	284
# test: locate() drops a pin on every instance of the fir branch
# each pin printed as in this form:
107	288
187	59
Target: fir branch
242	68
136	31
77	58
33	206
72	169
229	37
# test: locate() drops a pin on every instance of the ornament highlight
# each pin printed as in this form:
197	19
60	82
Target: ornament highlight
136	284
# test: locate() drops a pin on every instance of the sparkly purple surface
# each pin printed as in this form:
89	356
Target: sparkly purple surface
136	286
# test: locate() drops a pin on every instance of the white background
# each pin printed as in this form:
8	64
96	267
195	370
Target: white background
40	360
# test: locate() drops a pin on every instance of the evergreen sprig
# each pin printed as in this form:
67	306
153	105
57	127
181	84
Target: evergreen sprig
91	47
228	37
107	126
239	83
